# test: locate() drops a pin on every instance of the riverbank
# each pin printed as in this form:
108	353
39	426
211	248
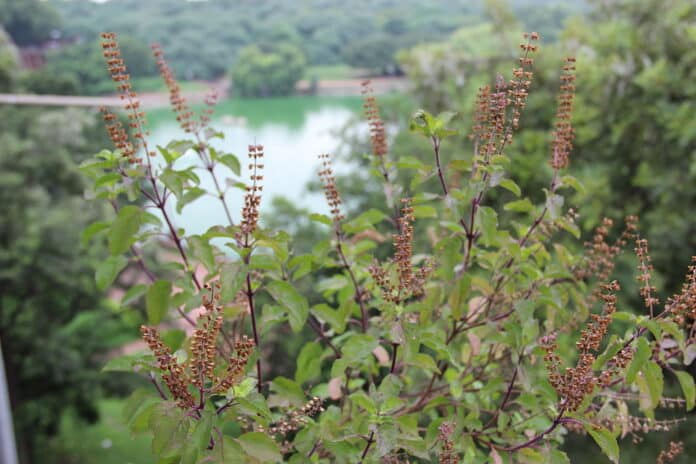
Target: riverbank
329	88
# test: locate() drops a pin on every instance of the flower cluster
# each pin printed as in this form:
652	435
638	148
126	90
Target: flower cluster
174	374
203	345
297	418
243	349
518	90
564	133
252	199
683	304
670	454
119	74
447	453
378	135
328	180
410	283
576	383
600	256
199	370
645	269
178	102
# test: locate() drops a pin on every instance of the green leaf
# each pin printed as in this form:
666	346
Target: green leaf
203	251
655	380
133	293
488	220
687	385
424	211
519	206
423	361
128	362
170	428
173	338
108	270
138	409
308	362
231	162
157	301
640	357
572	182
606	441
190	195
288	390
92	230
180	146
510	185
321	218
260	446
124	229
201	432
358	347
296	304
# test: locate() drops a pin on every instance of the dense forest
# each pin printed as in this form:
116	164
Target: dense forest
324	34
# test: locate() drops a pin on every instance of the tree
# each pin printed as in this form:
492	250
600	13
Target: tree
268	70
29	22
8	61
53	322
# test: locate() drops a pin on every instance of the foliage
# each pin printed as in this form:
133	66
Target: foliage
326	31
8	62
481	338
29	22
50	305
271	70
637	85
75	69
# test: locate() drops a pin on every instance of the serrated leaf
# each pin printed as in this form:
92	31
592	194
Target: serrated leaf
606	441
258	445
296	304
157	300
686	381
108	269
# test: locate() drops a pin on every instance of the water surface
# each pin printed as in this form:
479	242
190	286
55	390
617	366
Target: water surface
293	131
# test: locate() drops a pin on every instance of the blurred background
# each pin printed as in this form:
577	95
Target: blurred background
289	73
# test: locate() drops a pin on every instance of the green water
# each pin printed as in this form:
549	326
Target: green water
293	131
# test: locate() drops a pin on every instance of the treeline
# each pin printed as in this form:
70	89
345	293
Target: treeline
205	40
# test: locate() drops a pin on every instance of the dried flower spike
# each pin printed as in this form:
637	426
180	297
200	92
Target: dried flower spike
333	198
564	133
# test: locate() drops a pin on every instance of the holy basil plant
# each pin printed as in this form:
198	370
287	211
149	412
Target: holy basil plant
483	333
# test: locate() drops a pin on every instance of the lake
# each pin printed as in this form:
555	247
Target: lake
293	131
